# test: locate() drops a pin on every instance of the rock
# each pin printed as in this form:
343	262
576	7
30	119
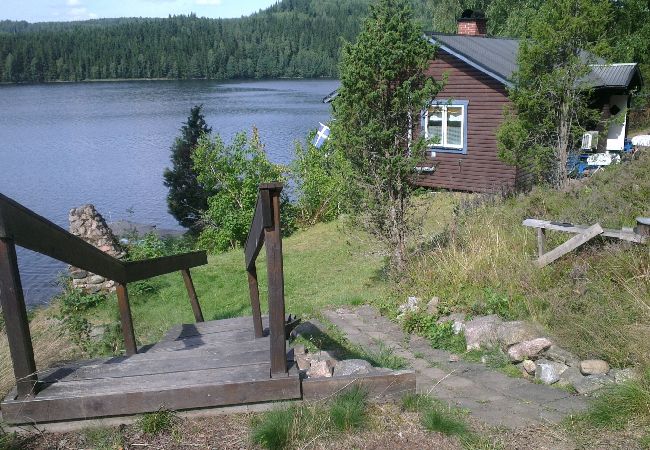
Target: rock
594	367
303	361
78	274
320	369
411	305
510	333
299	350
454	358
482	331
570	377
458	320
528	349
323	355
549	372
432	306
623	375
529	366
97	332
96	279
592	383
555	353
305	329
352	367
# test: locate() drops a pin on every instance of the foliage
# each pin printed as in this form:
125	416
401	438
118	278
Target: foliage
235	171
274	429
9	441
416	402
322	182
383	90
104	438
437	419
187	198
153	246
348	410
495	303
622	403
156	422
441	335
551	94
385	357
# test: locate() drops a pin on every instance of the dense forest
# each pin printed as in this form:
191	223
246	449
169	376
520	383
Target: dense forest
293	38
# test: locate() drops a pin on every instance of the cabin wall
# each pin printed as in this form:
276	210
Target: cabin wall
480	169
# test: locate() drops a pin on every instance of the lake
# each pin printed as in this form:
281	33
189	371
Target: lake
107	143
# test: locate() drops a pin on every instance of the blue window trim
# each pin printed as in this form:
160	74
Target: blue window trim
449	102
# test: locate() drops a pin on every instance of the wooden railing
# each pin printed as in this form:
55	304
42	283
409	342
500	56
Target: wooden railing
265	229
22	227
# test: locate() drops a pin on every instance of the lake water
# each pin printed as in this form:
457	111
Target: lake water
63	145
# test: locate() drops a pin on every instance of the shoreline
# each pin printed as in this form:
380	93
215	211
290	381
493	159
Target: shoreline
122	80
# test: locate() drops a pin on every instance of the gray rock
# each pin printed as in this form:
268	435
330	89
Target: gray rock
482	331
322	355
303	361
555	353
570	377
299	350
78	274
623	375
432	306
352	367
458	320
528	349
510	333
320	369
549	372
592	383
96	279
411	305
594	367
305	329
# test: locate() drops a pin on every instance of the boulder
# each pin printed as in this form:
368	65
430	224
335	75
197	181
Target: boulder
570	377
529	366
458	320
549	372
623	375
558	354
510	333
482	331
305	329
432	306
352	367
594	367
528	349
320	369
592	383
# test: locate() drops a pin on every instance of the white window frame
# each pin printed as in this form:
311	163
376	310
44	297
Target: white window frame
443	145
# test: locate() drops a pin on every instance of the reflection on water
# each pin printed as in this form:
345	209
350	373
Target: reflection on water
63	145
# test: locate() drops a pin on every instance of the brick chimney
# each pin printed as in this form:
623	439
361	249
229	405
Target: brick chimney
472	23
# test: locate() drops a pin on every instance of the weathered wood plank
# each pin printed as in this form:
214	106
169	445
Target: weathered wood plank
141	367
16	322
211	327
148	268
126	320
229	338
380	386
541	242
254	290
573	243
625	235
85	403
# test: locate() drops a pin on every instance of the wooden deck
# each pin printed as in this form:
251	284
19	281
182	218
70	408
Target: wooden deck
198	365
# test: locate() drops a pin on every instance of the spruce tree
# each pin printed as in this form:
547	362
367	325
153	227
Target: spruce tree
187	198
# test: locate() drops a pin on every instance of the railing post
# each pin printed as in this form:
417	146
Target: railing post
126	319
273	242
541	242
196	307
254	290
16	322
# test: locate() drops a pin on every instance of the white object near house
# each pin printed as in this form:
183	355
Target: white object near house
603	159
641	140
616	132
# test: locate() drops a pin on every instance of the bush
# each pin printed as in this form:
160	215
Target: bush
153	246
321	178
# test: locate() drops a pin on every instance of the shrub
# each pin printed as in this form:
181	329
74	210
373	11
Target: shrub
153	246
442	336
417	402
384	357
348	410
156	422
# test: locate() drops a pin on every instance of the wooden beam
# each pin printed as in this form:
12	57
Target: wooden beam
16	322
148	268
573	243
642	226
273	239
194	301
541	242
623	234
126	319
253	288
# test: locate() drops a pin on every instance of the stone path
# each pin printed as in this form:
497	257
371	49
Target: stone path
488	394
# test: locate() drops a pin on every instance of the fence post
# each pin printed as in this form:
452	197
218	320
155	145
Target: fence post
273	242
16	322
126	319
194	301
254	290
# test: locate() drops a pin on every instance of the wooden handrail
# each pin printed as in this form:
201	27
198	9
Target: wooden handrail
23	227
266	230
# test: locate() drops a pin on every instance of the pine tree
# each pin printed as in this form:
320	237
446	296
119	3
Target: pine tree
187	198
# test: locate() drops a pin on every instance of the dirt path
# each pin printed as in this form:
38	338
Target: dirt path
491	396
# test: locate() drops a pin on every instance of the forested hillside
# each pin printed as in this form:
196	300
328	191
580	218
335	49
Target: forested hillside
293	38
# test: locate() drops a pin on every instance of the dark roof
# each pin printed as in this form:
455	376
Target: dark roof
497	57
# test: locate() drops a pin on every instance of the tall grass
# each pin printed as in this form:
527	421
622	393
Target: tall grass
595	300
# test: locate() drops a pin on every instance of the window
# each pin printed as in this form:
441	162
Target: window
445	125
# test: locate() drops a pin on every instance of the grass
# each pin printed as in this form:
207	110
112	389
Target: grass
288	427
103	438
156	422
494	358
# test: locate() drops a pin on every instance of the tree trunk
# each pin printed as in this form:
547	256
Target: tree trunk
562	149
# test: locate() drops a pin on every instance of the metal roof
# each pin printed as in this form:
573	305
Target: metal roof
497	57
